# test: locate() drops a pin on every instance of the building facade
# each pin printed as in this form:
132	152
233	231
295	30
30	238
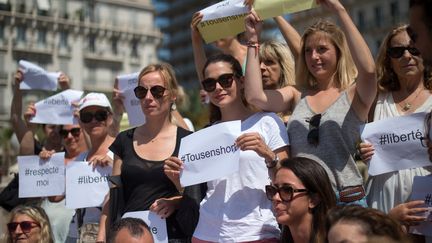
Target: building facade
92	41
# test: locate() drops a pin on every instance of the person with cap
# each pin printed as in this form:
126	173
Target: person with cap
96	119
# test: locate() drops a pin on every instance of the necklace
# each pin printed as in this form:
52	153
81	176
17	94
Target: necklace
408	105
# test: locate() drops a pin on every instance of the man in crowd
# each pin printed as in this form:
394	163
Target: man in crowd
130	230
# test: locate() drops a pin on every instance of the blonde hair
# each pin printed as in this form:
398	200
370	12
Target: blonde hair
38	215
168	75
273	50
387	78
346	71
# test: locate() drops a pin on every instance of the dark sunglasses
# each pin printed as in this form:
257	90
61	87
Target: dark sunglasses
398	51
157	91
25	226
313	135
100	115
225	81
74	131
286	192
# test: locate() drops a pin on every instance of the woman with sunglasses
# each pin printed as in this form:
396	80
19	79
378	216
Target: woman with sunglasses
234	208
29	224
302	195
404	89
73	141
139	153
335	91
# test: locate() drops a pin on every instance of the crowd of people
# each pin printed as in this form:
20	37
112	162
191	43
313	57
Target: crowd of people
300	105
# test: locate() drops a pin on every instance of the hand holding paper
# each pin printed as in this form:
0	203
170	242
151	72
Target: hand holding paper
164	207
407	213
172	169
253	26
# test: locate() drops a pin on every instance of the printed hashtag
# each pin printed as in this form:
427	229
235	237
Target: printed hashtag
383	139
27	172
80	180
428	199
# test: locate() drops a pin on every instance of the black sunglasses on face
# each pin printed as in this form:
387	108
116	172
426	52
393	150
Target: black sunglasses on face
398	51
157	91
286	192
313	135
74	131
25	226
225	81
100	115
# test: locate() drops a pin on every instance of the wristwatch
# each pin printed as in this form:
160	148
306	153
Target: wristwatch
273	163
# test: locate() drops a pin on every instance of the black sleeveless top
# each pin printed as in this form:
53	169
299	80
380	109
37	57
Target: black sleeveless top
144	181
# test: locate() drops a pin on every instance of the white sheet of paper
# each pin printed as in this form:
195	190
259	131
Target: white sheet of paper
57	109
127	81
210	153
422	190
133	108
224	9
36	77
156	224
81	180
397	143
41	178
126	84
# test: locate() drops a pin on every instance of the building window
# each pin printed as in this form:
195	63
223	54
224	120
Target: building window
114	46
378	16
92	43
361	20
92	75
1	31
21	33
64	65
394	12
134	48
41	40
63	39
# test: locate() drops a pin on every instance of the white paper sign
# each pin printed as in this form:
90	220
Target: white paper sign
81	180
126	84
224	9
36	77
397	143
210	153
57	109
41	178
156	224
422	190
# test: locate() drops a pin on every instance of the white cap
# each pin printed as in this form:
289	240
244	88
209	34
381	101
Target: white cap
94	99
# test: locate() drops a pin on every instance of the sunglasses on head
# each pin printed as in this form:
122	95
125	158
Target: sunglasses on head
74	131
286	192
398	51
100	115
313	135
25	226
157	91
225	81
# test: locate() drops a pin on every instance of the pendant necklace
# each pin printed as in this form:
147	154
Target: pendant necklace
408	105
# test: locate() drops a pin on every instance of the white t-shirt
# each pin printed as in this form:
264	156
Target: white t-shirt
91	215
235	208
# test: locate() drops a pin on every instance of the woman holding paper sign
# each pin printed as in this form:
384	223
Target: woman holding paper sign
235	208
331	106
139	152
403	90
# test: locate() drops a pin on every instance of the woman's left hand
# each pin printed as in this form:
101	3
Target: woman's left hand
164	207
100	160
254	141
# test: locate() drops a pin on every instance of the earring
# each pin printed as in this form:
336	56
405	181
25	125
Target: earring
173	106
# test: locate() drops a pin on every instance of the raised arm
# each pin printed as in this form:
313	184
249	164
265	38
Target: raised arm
366	85
269	100
17	122
291	36
197	45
